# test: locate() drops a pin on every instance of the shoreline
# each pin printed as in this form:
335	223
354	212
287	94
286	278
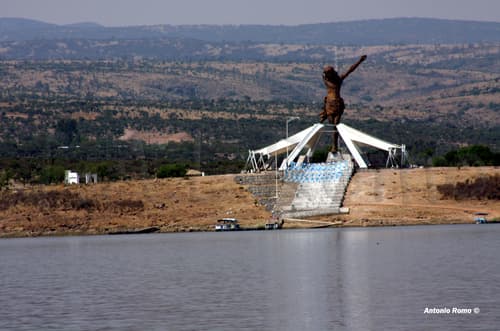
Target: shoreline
285	227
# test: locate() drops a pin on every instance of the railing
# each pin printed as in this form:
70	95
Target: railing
317	172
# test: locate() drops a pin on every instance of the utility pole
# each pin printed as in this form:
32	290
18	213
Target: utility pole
288	120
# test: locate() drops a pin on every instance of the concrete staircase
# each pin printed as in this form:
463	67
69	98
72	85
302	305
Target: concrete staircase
320	188
286	195
303	190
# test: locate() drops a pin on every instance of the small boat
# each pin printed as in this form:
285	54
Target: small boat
480	218
273	225
227	224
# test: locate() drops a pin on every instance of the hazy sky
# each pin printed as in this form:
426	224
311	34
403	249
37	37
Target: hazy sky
275	12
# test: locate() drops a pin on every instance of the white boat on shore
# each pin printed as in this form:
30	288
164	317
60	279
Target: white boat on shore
227	224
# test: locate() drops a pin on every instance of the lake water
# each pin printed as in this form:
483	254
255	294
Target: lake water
329	279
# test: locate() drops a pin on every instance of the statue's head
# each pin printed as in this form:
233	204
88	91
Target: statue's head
328	69
329	72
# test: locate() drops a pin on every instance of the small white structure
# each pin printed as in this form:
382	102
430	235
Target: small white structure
260	159
90	178
71	177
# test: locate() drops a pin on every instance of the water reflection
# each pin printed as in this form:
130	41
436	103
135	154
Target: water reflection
341	279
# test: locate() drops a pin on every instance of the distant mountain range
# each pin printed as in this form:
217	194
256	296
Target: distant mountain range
367	32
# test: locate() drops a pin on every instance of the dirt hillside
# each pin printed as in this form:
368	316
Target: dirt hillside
190	204
411	196
375	197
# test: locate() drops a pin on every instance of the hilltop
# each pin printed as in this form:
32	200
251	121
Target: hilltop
23	39
364	32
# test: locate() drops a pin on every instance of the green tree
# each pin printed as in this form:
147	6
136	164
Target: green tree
171	170
52	174
67	131
5	176
475	155
439	161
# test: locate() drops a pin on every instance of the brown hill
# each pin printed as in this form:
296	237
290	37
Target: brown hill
375	197
179	204
411	196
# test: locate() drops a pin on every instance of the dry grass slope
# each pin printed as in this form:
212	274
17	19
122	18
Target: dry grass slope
375	197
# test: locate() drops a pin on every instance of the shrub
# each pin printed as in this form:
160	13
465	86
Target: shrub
4	179
47	200
481	188
475	155
126	206
52	174
171	170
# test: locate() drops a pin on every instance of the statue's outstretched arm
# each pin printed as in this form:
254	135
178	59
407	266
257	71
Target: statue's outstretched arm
353	67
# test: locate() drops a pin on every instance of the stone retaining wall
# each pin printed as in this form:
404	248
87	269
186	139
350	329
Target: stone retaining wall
262	186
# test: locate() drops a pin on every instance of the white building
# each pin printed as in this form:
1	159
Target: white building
71	177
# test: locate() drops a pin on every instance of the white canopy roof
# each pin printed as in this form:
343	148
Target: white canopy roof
352	137
308	138
290	143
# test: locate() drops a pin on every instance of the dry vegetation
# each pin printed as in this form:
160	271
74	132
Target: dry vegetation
415	81
450	89
170	204
412	196
482	188
375	197
156	137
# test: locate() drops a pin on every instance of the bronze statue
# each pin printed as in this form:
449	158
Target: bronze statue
334	106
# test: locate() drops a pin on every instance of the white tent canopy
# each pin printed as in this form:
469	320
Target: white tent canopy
257	158
288	144
309	137
353	137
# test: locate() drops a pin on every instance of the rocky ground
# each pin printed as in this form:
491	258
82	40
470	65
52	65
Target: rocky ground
374	197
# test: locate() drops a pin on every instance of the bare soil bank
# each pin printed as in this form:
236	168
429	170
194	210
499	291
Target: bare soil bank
411	196
375	197
191	204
